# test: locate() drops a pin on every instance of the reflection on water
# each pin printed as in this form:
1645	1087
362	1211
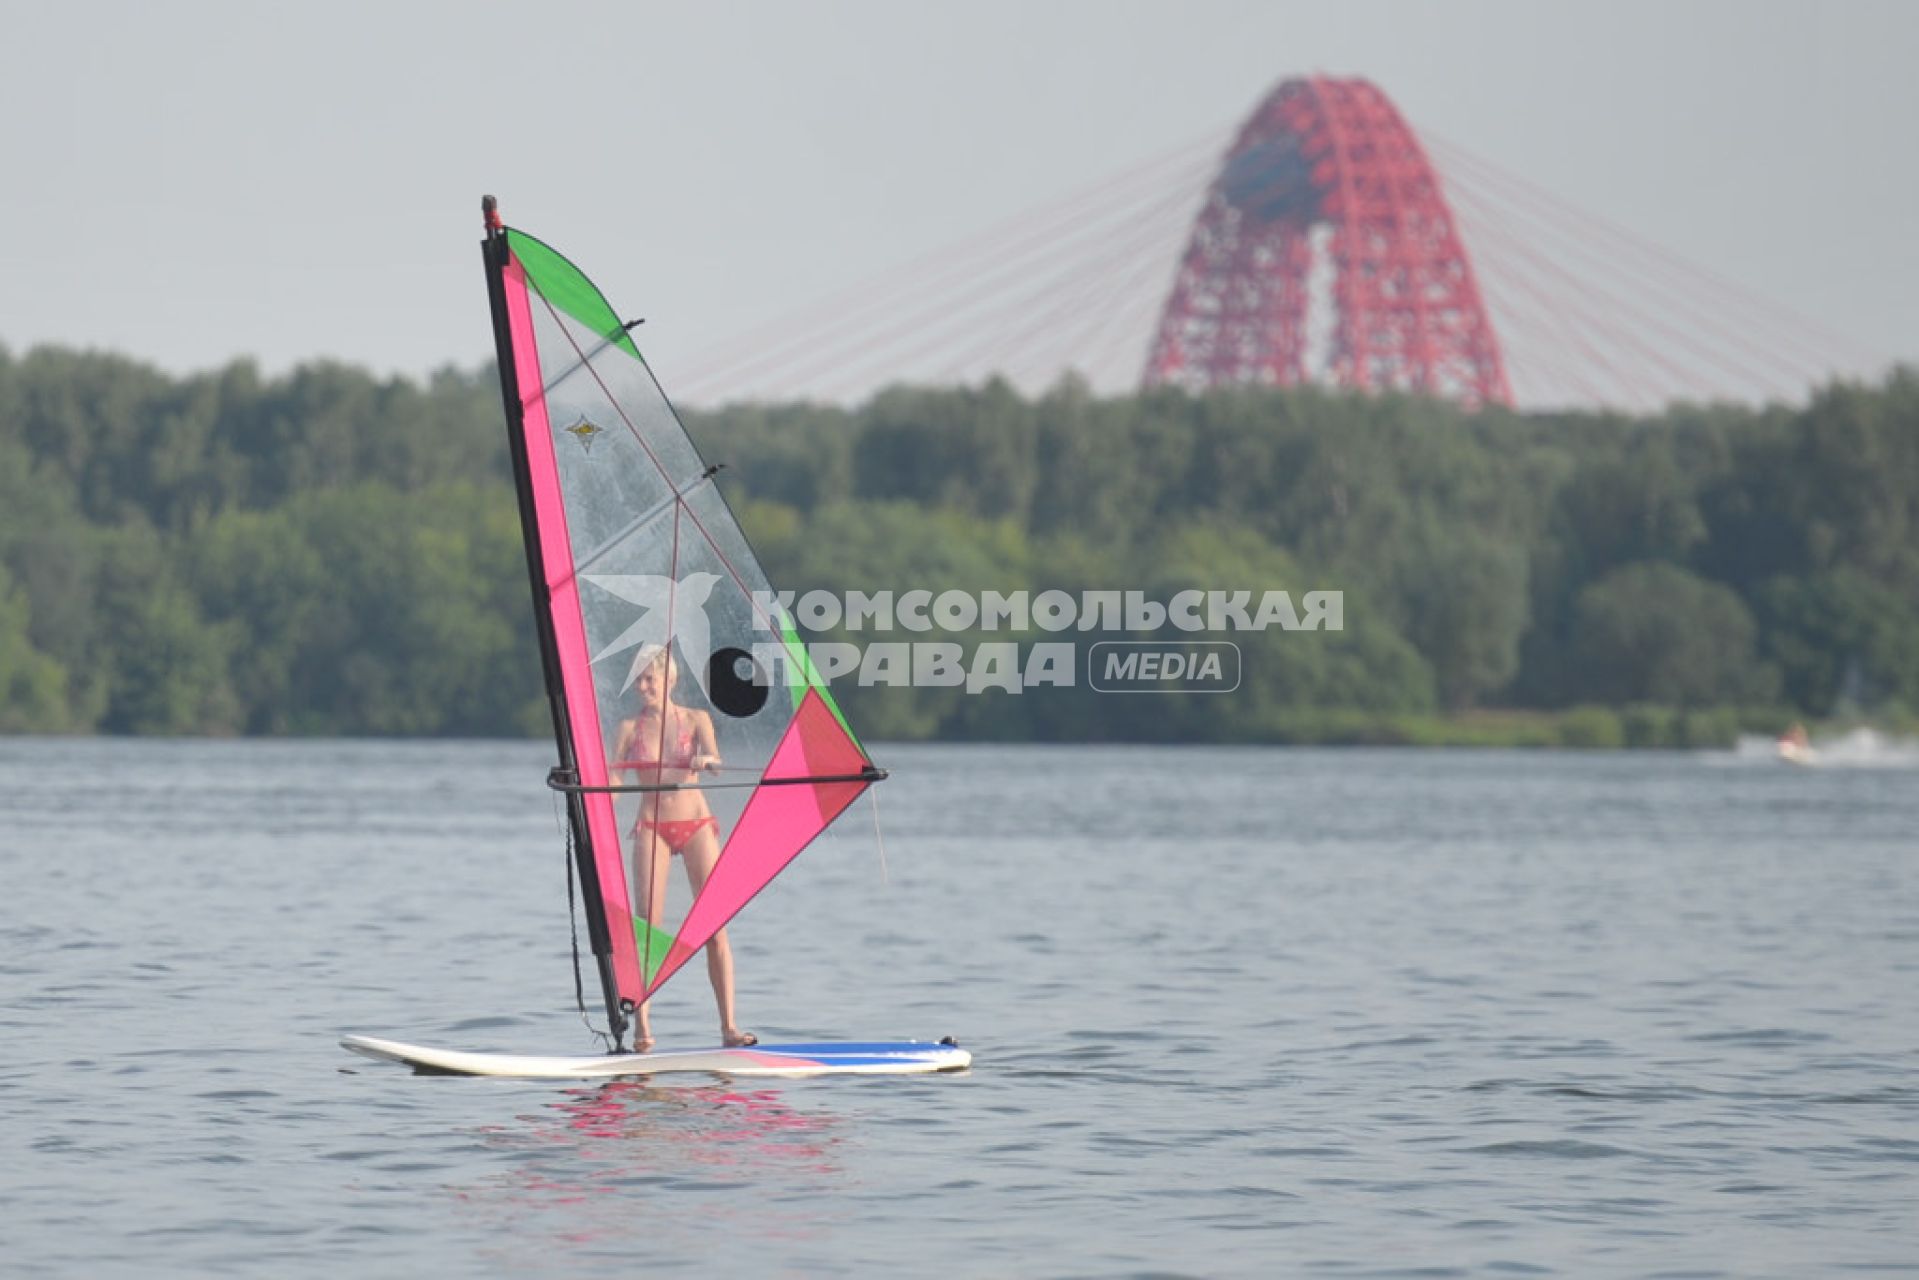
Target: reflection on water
610	1166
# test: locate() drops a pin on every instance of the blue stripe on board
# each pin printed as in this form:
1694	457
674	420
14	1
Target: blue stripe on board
874	1049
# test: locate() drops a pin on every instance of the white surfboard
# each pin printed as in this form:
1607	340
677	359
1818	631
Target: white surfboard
886	1057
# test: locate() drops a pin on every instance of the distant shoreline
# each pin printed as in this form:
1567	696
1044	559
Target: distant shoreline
1638	727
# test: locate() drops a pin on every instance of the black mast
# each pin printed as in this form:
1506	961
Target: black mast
497	255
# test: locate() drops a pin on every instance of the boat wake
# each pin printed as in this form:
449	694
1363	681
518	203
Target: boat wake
1861	748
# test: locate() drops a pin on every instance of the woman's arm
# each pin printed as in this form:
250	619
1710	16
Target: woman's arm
622	742
706	746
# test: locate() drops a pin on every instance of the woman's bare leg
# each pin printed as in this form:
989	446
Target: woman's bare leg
650	857
700	854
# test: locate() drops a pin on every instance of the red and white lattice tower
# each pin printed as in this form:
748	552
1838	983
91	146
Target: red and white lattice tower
1325	251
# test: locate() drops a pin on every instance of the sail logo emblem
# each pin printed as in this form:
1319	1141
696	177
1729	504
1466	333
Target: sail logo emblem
584	431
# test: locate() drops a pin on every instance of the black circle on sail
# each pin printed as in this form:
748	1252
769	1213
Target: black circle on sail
736	682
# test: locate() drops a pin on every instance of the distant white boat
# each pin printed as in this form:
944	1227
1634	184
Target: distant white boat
1795	747
1859	748
1797	753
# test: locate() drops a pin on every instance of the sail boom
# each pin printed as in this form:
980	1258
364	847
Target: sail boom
869	774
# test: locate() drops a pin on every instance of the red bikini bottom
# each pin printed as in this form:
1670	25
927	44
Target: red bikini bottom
678	833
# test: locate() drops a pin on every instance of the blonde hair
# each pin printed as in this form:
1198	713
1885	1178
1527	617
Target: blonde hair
649	657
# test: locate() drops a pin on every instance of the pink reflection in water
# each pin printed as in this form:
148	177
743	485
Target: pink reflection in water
663	1171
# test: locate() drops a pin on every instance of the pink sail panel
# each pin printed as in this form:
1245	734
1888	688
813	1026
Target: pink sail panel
569	631
776	824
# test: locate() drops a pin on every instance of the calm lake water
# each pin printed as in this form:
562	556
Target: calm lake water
1234	1012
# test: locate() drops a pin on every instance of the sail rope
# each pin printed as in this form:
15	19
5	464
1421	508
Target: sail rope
573	928
879	841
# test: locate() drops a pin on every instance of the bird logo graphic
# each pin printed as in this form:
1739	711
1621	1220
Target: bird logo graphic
672	613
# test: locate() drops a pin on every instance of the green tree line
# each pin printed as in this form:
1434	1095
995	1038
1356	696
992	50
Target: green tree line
327	552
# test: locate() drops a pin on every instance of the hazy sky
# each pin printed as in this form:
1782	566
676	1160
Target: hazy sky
193	181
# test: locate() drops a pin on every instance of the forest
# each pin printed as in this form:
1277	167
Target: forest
327	552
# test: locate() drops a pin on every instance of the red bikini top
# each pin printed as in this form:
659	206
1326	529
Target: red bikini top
679	749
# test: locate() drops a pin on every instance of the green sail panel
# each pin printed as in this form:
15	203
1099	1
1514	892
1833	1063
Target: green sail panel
564	286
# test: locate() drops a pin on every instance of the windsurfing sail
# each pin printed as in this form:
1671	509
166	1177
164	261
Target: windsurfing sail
684	707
